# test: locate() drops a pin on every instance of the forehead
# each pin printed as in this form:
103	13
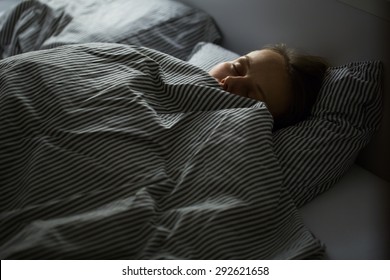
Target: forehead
266	57
268	67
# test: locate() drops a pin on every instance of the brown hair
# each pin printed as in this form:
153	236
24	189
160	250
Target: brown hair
306	74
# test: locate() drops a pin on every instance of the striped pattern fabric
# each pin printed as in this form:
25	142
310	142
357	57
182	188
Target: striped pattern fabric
164	25
317	152
111	151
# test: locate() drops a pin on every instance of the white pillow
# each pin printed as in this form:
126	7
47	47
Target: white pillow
207	55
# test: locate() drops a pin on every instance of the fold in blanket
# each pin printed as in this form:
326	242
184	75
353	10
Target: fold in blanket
119	152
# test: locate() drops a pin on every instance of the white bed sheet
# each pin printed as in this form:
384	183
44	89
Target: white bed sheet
352	218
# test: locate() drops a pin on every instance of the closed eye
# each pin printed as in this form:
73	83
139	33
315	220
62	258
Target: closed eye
238	69
235	70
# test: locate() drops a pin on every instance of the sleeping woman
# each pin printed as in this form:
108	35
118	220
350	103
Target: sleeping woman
286	81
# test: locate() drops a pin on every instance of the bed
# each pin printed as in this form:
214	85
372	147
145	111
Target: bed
116	143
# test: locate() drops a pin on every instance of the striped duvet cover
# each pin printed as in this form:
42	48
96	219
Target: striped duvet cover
110	151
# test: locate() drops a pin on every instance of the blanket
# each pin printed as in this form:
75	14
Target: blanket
111	151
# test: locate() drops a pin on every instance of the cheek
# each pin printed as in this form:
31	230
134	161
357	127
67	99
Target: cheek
220	71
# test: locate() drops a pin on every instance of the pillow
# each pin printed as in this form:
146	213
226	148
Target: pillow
315	153
164	25
206	55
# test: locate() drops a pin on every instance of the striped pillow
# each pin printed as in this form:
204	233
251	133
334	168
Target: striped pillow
315	153
165	25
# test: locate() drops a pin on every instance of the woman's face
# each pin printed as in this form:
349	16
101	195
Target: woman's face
259	75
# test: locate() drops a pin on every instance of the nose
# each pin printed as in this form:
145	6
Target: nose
235	84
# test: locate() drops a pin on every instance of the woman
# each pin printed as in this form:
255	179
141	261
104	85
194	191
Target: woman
286	81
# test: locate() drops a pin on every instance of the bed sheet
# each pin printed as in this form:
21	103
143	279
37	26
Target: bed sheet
353	217
119	152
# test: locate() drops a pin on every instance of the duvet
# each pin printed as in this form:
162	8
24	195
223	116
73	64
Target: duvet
111	151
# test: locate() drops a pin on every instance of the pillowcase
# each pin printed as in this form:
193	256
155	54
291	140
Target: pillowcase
315	153
207	55
165	25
